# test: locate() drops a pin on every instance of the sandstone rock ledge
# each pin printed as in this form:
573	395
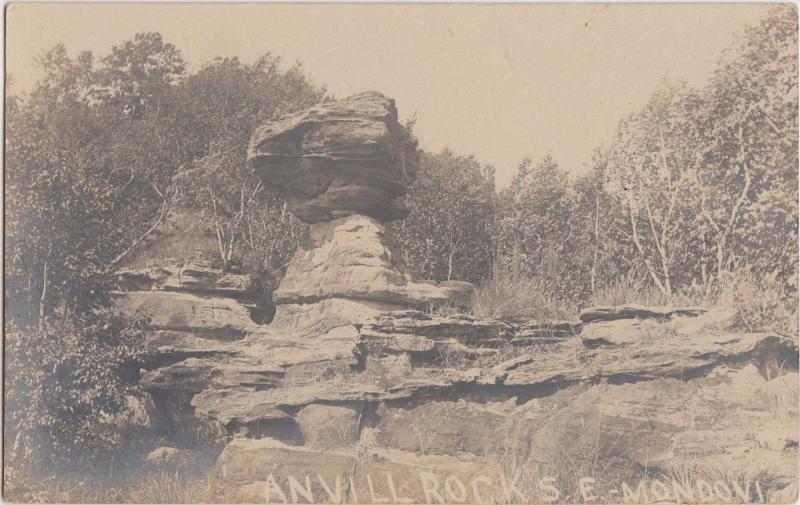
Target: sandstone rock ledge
357	393
406	394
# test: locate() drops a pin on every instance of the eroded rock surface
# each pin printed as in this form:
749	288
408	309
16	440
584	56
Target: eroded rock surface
337	159
459	389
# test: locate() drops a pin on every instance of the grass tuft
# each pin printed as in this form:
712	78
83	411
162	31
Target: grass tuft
509	296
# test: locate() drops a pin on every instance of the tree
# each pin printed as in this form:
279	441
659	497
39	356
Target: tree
136	75
60	229
64	384
651	168
539	232
448	233
233	99
64	349
747	127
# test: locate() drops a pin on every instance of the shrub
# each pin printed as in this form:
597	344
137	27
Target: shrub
65	382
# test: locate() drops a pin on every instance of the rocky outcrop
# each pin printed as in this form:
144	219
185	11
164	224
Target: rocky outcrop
471	397
358	391
398	404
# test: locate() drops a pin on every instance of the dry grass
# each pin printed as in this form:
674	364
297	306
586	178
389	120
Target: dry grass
509	296
593	455
148	487
166	487
602	459
59	489
782	395
716	484
761	302
628	289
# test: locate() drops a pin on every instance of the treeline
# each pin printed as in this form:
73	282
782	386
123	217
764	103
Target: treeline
697	185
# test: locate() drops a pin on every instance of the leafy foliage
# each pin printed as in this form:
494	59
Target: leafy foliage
693	185
539	233
97	160
233	99
64	383
448	234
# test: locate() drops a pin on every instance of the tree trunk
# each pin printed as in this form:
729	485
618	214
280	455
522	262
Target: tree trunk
596	238
162	213
643	255
43	296
30	295
450	263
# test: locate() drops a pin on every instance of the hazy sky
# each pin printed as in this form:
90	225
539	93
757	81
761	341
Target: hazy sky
497	81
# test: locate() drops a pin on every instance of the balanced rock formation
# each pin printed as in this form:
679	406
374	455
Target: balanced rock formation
340	166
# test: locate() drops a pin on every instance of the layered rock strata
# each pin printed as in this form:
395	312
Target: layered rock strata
440	396
352	394
338	159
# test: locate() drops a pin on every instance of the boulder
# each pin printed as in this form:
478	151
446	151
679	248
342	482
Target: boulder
338	158
171	457
140	414
268	471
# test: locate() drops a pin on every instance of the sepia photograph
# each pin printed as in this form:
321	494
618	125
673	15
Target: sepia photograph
401	253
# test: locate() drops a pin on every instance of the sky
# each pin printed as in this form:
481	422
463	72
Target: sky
500	82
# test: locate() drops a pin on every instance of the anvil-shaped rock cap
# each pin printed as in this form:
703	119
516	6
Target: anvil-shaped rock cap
337	159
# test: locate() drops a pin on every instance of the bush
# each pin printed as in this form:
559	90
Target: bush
65	383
